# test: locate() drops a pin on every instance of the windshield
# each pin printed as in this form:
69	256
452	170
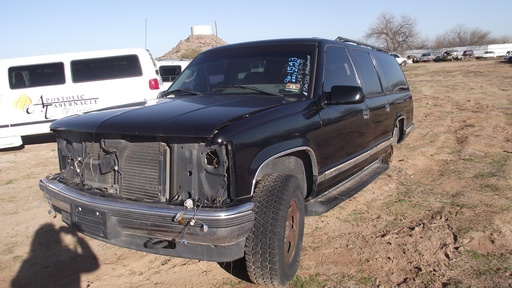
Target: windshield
282	69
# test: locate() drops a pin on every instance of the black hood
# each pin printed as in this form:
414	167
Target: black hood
192	116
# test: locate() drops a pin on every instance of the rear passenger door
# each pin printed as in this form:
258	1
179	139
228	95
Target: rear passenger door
378	103
396	88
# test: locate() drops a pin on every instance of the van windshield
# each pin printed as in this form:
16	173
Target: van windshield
260	69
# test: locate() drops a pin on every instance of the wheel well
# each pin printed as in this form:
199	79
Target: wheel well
297	163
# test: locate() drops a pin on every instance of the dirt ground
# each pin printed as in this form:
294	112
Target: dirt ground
441	216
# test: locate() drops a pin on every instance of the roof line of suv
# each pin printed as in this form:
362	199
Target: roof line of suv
359	43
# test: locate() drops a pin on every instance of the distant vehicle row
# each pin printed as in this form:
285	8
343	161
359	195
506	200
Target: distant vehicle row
450	55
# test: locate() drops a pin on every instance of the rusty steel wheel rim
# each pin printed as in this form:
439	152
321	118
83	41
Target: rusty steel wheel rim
291	233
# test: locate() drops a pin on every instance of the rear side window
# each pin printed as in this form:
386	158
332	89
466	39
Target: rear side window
97	69
170	72
338	68
393	76
36	75
368	73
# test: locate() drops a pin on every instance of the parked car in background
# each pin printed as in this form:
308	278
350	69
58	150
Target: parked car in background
401	60
448	55
37	90
468	55
412	58
508	56
437	56
169	70
487	55
426	57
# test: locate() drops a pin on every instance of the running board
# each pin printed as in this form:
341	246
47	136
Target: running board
346	189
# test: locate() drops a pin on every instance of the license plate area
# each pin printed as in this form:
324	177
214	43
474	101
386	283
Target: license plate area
90	221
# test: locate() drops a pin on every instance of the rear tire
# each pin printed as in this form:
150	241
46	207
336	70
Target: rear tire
273	248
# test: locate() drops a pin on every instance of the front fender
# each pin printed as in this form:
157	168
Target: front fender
289	157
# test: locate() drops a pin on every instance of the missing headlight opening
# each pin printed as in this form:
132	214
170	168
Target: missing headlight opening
212	159
199	173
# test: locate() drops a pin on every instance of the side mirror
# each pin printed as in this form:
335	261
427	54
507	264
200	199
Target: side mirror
346	95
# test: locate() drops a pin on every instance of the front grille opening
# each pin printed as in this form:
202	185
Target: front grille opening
145	172
113	167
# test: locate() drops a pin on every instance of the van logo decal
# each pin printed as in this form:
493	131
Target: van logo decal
48	105
22	102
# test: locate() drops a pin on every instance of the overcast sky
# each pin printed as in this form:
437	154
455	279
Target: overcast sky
36	27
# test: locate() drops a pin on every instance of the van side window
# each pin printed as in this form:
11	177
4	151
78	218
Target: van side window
368	73
338	68
36	75
97	69
394	79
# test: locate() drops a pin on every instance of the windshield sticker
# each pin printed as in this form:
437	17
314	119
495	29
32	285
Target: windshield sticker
298	74
293	70
292	87
307	72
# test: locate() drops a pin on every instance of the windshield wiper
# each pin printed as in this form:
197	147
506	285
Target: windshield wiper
252	88
179	91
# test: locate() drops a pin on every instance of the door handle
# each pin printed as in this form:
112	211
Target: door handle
366	113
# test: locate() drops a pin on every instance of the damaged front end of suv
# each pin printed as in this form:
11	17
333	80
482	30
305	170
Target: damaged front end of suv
149	195
176	176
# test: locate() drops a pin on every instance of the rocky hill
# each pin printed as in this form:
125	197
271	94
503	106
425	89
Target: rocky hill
193	45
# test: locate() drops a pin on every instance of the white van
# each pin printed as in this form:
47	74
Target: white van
35	91
169	70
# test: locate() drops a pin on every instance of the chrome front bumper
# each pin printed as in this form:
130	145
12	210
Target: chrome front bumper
211	234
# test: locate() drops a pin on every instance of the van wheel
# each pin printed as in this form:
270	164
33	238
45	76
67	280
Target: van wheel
273	248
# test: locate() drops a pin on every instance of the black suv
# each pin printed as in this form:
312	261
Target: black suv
248	140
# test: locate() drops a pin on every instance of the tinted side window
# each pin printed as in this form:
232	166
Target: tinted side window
368	73
338	68
170	72
96	69
393	76
36	75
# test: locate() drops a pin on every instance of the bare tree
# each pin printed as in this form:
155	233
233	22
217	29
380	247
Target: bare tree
460	35
502	39
394	34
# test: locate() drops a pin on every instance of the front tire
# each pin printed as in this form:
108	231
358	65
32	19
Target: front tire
273	248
